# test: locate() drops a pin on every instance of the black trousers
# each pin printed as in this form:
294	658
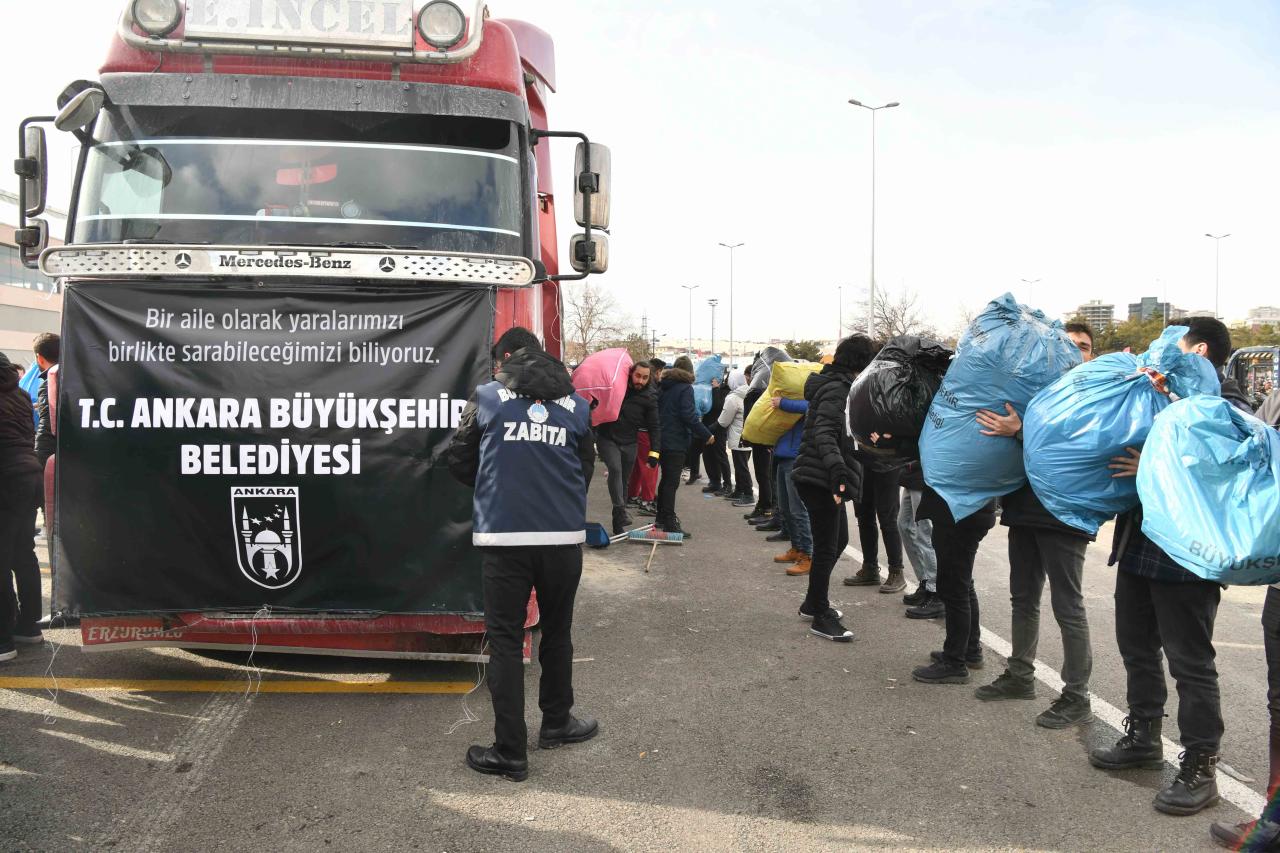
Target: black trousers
742	470
762	463
956	546
672	464
1271	641
509	575
693	458
19	500
829	524
878	508
1176	618
716	458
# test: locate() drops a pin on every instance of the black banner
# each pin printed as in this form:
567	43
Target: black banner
228	447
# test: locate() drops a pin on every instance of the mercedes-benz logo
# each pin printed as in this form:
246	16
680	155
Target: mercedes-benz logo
182	261
387	265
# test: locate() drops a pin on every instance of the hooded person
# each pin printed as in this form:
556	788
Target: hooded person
732	418
827	476
617	441
680	427
525	446
19	499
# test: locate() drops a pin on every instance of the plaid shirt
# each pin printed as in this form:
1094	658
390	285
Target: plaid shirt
1138	555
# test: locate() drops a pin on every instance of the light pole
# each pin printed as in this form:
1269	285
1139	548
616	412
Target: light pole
1217	256
713	303
871	302
731	247
1031	289
691	288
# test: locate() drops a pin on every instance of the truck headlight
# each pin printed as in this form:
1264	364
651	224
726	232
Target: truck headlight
157	17
441	24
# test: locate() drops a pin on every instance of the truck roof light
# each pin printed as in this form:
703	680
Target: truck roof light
442	24
157	17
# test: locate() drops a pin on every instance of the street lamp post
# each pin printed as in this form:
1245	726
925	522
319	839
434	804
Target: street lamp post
713	303
1031	289
731	247
1217	257
871	302
691	288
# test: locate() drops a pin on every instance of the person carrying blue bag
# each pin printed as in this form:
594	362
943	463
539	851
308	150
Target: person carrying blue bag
1077	424
1162	610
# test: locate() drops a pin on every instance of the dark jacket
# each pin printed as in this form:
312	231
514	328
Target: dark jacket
525	445
639	411
912	476
718	395
17	430
934	508
1234	394
1024	509
46	444
677	413
827	459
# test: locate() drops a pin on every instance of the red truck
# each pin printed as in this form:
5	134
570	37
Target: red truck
296	228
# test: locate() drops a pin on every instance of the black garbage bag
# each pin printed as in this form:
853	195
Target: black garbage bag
892	396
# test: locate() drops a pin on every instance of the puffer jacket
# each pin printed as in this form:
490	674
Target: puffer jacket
677	413
733	416
17	429
639	412
827	459
45	442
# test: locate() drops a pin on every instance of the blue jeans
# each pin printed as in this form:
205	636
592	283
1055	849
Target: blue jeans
917	541
793	509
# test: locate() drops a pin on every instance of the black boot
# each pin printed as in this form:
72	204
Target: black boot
487	760
1194	789
574	731
621	520
1138	749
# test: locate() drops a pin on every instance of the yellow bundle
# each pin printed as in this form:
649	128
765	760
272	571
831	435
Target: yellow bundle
765	425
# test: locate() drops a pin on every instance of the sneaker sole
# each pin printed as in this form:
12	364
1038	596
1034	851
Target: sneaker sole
1003	697
946	679
844	638
1184	811
971	665
891	590
855	582
513	775
29	641
556	743
1063	724
8	655
1148	764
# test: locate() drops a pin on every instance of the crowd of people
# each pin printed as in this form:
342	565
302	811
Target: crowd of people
797	491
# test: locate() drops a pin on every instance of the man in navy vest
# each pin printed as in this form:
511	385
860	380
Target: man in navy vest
525	445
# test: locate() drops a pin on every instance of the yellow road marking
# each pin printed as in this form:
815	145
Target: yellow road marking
236	685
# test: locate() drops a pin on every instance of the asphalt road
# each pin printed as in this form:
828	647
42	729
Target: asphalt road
725	726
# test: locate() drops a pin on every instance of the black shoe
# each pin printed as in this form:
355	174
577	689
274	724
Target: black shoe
913	599
865	576
829	627
808	617
1065	712
747	500
1194	789
672	525
28	635
649	509
931	608
485	759
941	673
7	651
693	481
712	488
1255	836
59	621
621	521
1006	686
765	518
777	537
1138	749
974	661
773	525
574	731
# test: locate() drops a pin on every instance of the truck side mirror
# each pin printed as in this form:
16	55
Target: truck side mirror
81	110
594	182
32	240
32	167
590	255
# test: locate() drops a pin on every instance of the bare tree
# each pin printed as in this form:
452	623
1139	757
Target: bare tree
591	320
899	314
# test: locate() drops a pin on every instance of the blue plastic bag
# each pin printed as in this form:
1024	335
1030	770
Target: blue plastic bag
1006	355
1077	425
1209	482
711	367
30	382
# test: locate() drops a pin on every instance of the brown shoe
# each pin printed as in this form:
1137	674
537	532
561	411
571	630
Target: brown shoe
792	556
801	566
865	576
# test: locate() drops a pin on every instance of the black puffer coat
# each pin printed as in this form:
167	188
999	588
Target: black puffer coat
639	411
17	429
827	458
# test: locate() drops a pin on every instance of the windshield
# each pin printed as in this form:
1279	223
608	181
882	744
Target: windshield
319	179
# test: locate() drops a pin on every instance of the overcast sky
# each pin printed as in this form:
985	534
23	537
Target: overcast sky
1087	144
